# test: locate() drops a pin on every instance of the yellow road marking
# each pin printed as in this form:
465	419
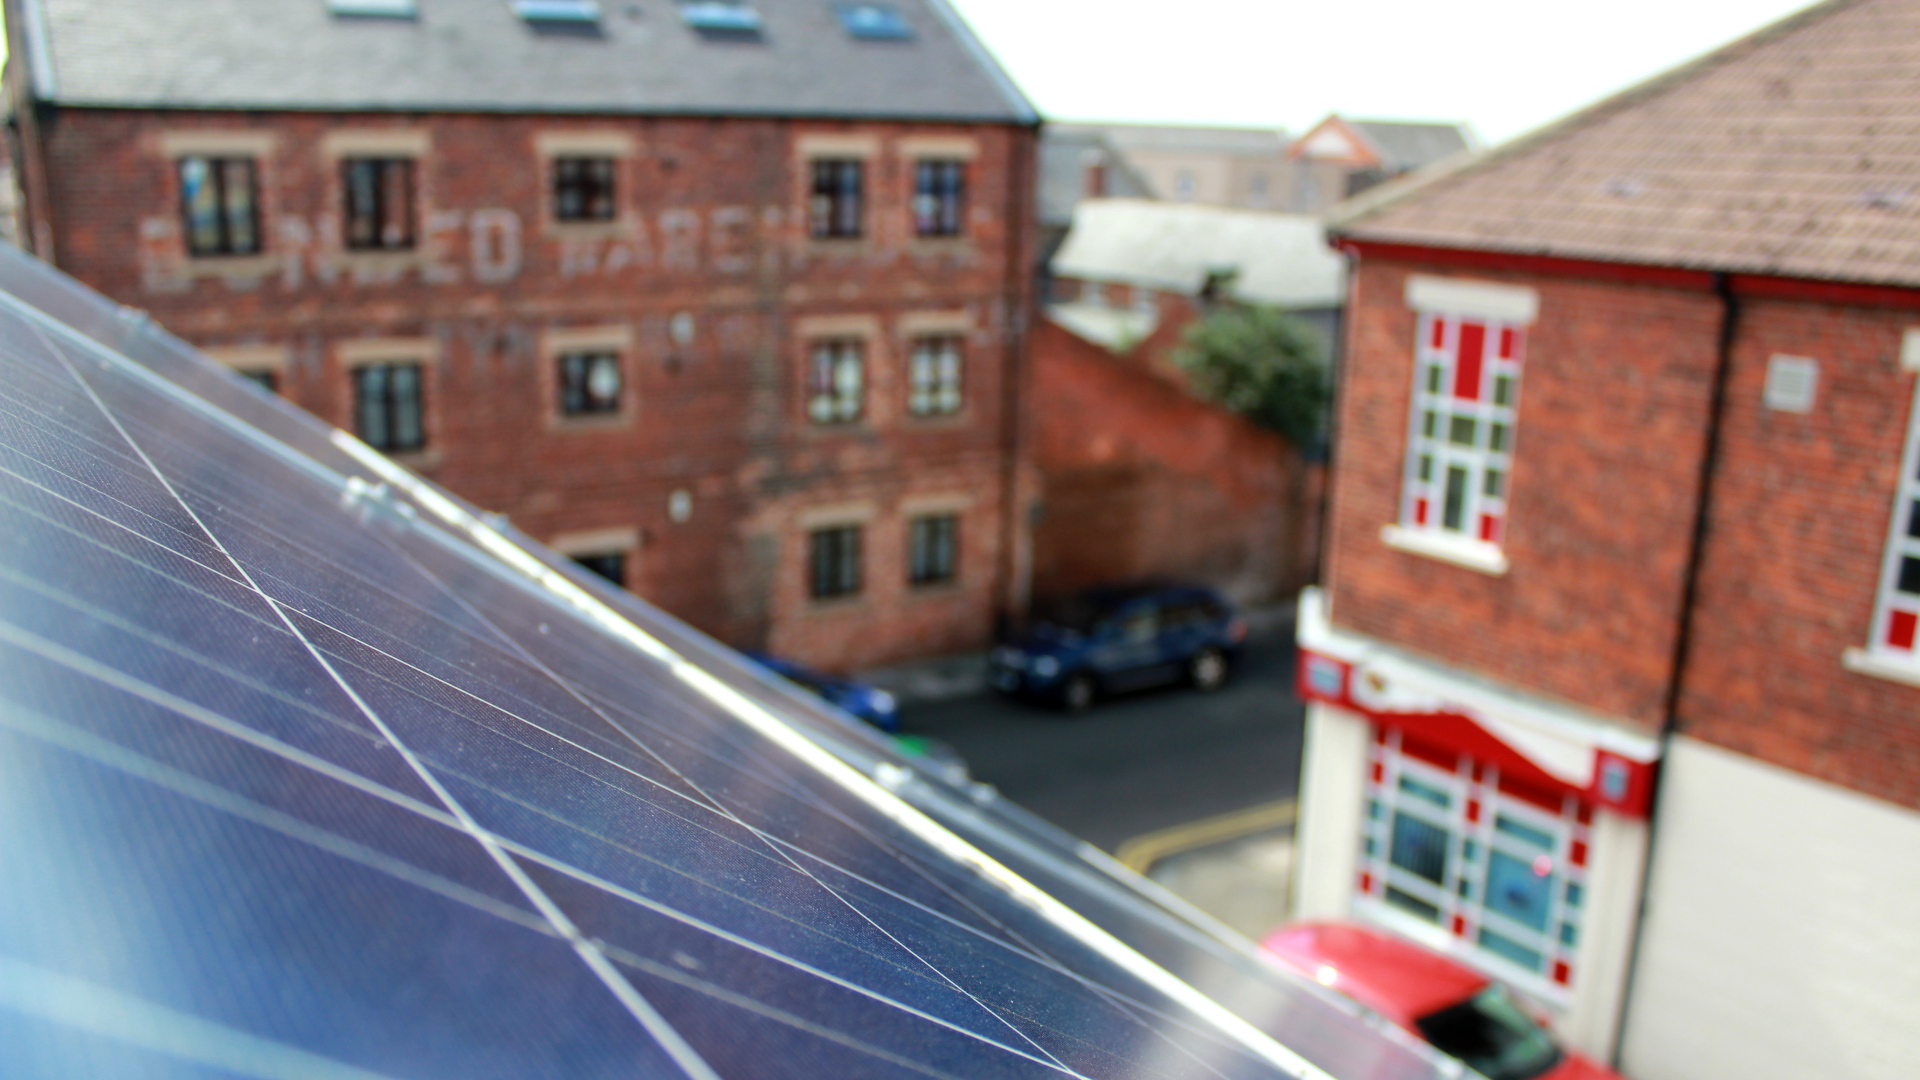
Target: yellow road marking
1140	853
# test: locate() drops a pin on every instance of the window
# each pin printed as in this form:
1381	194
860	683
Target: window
833	557
1466	394
379	203
611	565
1897	622
939	196
266	380
836	208
220	201
589	383
388	407
873	22
583	189
1497	863
933	376
836	381
933	549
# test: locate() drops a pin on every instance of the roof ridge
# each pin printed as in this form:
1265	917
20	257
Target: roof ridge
1456	167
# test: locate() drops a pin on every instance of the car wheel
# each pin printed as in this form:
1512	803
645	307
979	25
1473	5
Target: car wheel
1078	693
1207	669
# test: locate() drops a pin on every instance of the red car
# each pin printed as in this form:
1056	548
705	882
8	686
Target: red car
1461	1012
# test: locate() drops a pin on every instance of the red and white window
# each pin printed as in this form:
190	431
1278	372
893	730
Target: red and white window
1465	402
1497	864
1896	623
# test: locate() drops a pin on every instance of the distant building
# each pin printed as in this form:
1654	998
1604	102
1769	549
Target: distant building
727	300
1138	477
1078	162
1615	680
1338	158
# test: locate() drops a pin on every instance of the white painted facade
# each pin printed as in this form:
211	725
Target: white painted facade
1782	934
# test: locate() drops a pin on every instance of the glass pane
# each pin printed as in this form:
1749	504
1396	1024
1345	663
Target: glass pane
1428	421
1497	440
1406	901
1426	468
1503	389
201	197
237	189
1461	430
1515	890
1913	520
1569	934
1422	790
1502	945
370	412
1523	832
1910	575
1434	377
1470	850
1455	508
1495	481
1419	848
1575	893
408	430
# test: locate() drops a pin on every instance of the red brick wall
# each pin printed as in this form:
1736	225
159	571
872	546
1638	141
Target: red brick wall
1611	426
1142	479
712	222
1799	520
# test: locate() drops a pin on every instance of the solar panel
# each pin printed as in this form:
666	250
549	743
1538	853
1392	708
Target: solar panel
308	769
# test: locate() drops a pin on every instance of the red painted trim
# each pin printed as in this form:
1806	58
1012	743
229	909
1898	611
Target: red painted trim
1823	292
1664	276
1763	286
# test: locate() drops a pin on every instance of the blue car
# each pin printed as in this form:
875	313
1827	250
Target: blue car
875	706
1121	638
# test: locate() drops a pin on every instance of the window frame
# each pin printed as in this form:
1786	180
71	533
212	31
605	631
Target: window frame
832	219
825	396
1896	610
215	163
944	392
585	404
939	203
933	549
391	445
1471	824
1439	411
608	185
836	569
382	163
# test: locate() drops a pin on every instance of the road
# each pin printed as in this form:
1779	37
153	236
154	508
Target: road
1142	762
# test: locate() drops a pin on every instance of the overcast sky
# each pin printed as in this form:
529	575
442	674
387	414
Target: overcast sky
1505	66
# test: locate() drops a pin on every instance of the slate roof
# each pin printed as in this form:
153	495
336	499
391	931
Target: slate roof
479	55
1063	171
1404	146
1167	138
1794	152
1280	259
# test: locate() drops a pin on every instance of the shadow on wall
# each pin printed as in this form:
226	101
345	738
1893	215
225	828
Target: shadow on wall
1142	480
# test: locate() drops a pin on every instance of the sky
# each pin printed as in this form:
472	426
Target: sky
1504	66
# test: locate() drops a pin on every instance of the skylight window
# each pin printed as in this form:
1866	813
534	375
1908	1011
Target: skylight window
874	22
375	9
571	11
721	15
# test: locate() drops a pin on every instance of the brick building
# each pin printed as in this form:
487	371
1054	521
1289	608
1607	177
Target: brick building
1138	477
724	298
1614	682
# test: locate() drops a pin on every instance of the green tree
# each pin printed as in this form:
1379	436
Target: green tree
1262	363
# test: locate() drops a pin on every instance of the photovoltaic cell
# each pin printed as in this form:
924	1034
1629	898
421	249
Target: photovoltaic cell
308	769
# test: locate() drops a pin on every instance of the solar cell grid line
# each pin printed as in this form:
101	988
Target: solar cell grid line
947	843
644	1013
721	808
916	898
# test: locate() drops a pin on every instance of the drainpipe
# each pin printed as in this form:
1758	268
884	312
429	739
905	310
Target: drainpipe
1683	638
1017	303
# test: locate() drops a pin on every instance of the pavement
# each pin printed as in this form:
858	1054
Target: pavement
1135	760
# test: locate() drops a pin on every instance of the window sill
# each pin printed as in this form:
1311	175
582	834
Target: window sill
589	423
589	229
1880	666
940	245
231	265
836	605
415	460
958	418
944	589
368	262
1476	555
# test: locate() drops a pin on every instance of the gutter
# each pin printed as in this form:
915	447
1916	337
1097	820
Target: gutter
1723	287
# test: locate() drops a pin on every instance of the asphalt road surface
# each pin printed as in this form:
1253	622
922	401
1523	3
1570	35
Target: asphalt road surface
1140	762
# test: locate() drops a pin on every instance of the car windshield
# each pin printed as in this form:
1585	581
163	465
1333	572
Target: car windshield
1493	1035
1079	614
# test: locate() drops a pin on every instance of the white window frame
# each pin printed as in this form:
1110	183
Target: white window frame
1881	656
1376	864
1444	309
